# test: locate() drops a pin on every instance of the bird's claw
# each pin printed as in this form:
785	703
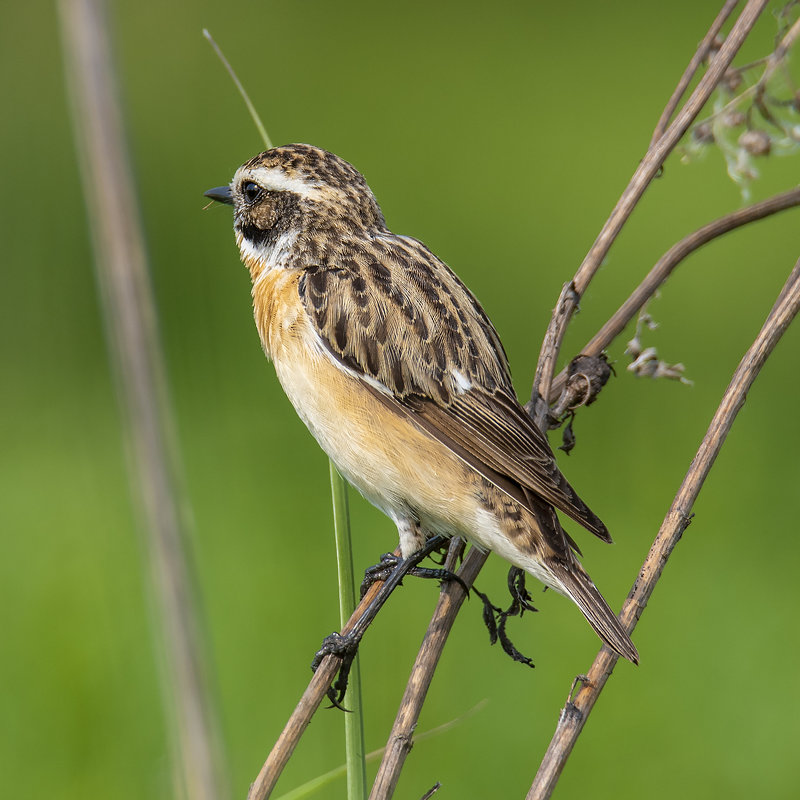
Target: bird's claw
344	646
495	618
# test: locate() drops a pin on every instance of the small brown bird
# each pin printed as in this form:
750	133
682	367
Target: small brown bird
400	376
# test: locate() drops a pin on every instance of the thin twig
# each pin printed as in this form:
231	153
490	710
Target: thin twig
538	407
139	372
295	727
309	702
400	742
575	713
667	264
697	59
647	170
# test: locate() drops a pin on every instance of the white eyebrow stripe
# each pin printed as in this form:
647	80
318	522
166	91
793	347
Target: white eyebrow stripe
276	180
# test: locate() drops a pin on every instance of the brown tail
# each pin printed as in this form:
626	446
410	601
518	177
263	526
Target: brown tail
579	586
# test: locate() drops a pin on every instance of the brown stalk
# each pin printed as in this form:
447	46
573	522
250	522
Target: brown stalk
400	741
575	713
667	264
647	170
305	709
139	371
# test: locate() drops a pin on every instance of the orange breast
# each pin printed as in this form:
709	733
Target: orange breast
277	308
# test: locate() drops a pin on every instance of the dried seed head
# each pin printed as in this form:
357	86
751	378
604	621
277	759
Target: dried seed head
732	80
568	437
586	376
756	143
703	134
733	119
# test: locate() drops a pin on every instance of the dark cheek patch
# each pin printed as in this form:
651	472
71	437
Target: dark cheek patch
255	235
263	223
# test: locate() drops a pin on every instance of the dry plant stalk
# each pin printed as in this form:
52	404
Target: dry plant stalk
665	139
451	597
135	352
665	266
309	703
648	169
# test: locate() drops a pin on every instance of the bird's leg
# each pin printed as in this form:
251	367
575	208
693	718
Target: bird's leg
412	537
345	646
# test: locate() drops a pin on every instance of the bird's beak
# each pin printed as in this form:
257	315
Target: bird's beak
222	194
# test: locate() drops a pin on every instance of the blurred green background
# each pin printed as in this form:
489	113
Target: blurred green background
501	136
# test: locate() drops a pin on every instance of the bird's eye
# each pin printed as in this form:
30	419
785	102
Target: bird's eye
251	191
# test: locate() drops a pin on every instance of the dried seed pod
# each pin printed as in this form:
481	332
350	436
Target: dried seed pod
703	134
733	119
586	376
715	45
732	79
756	143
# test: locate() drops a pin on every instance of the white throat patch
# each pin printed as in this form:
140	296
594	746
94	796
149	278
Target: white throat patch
269	257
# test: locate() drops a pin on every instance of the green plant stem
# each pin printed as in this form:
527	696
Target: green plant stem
354	719
246	97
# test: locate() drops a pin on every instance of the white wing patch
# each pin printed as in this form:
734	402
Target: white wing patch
461	381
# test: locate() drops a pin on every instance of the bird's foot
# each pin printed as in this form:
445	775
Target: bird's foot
495	618
344	646
389	563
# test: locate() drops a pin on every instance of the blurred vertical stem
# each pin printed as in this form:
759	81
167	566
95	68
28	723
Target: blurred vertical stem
140	375
354	718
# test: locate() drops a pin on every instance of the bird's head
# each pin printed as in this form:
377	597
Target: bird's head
297	190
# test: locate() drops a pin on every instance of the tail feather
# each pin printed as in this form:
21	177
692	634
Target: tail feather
577	584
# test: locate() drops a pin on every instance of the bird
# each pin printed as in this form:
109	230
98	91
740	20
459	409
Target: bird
400	376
